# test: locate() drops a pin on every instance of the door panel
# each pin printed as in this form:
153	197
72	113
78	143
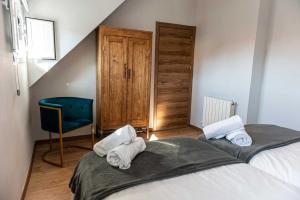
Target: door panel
113	101
173	75
123	78
139	57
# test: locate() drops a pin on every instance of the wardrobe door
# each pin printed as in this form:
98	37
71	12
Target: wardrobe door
113	82
139	69
173	75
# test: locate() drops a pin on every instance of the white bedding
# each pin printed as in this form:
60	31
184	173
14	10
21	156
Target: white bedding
231	182
283	162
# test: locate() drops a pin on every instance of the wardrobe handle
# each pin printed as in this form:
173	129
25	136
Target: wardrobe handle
129	74
125	71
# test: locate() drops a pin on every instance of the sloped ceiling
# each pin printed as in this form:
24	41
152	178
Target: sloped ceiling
74	20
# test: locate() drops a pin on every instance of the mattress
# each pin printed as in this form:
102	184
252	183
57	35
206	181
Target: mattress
94	178
283	163
231	182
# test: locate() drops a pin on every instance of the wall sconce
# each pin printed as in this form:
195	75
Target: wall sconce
18	36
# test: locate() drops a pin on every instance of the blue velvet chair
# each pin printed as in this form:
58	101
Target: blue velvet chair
64	114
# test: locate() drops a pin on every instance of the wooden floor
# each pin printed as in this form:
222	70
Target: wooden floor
51	183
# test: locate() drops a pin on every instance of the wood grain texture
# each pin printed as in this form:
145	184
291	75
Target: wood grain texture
138	92
173	75
48	182
123	77
114	82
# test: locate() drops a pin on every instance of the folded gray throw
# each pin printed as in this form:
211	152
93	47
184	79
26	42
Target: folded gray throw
95	179
264	137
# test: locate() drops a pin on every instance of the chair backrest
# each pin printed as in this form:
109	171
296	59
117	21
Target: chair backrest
72	107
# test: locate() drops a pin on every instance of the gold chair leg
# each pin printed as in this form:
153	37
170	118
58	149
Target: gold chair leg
51	148
61	150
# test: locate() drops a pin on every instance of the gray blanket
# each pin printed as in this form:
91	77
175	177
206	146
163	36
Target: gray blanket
264	137
95	179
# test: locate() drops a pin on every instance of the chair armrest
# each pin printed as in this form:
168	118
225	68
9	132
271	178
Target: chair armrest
49	105
50	118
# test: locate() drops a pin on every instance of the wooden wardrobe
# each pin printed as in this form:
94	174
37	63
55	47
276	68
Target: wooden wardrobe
123	78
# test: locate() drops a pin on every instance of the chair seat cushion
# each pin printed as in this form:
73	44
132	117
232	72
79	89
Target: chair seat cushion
69	125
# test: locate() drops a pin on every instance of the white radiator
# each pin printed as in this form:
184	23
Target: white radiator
215	110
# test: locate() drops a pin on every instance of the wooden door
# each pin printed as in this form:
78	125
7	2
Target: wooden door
138	91
113	82
173	75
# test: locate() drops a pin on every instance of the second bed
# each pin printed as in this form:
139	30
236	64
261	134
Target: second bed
275	150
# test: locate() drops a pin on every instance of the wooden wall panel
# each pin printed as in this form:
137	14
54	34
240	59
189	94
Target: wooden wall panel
173	75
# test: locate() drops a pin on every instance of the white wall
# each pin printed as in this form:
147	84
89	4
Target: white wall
248	51
75	76
73	22
15	139
258	70
224	53
79	67
240	45
280	101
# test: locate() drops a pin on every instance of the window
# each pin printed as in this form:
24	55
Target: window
41	39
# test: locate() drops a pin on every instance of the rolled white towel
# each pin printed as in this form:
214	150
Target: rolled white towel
124	135
219	129
239	137
122	155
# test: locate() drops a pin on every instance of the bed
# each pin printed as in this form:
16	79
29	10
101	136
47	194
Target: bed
275	150
177	168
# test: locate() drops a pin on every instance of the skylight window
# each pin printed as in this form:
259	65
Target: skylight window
41	39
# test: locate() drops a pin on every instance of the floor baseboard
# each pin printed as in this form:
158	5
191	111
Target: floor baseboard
28	173
195	127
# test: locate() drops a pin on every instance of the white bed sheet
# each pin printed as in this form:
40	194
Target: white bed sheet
231	182
283	162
